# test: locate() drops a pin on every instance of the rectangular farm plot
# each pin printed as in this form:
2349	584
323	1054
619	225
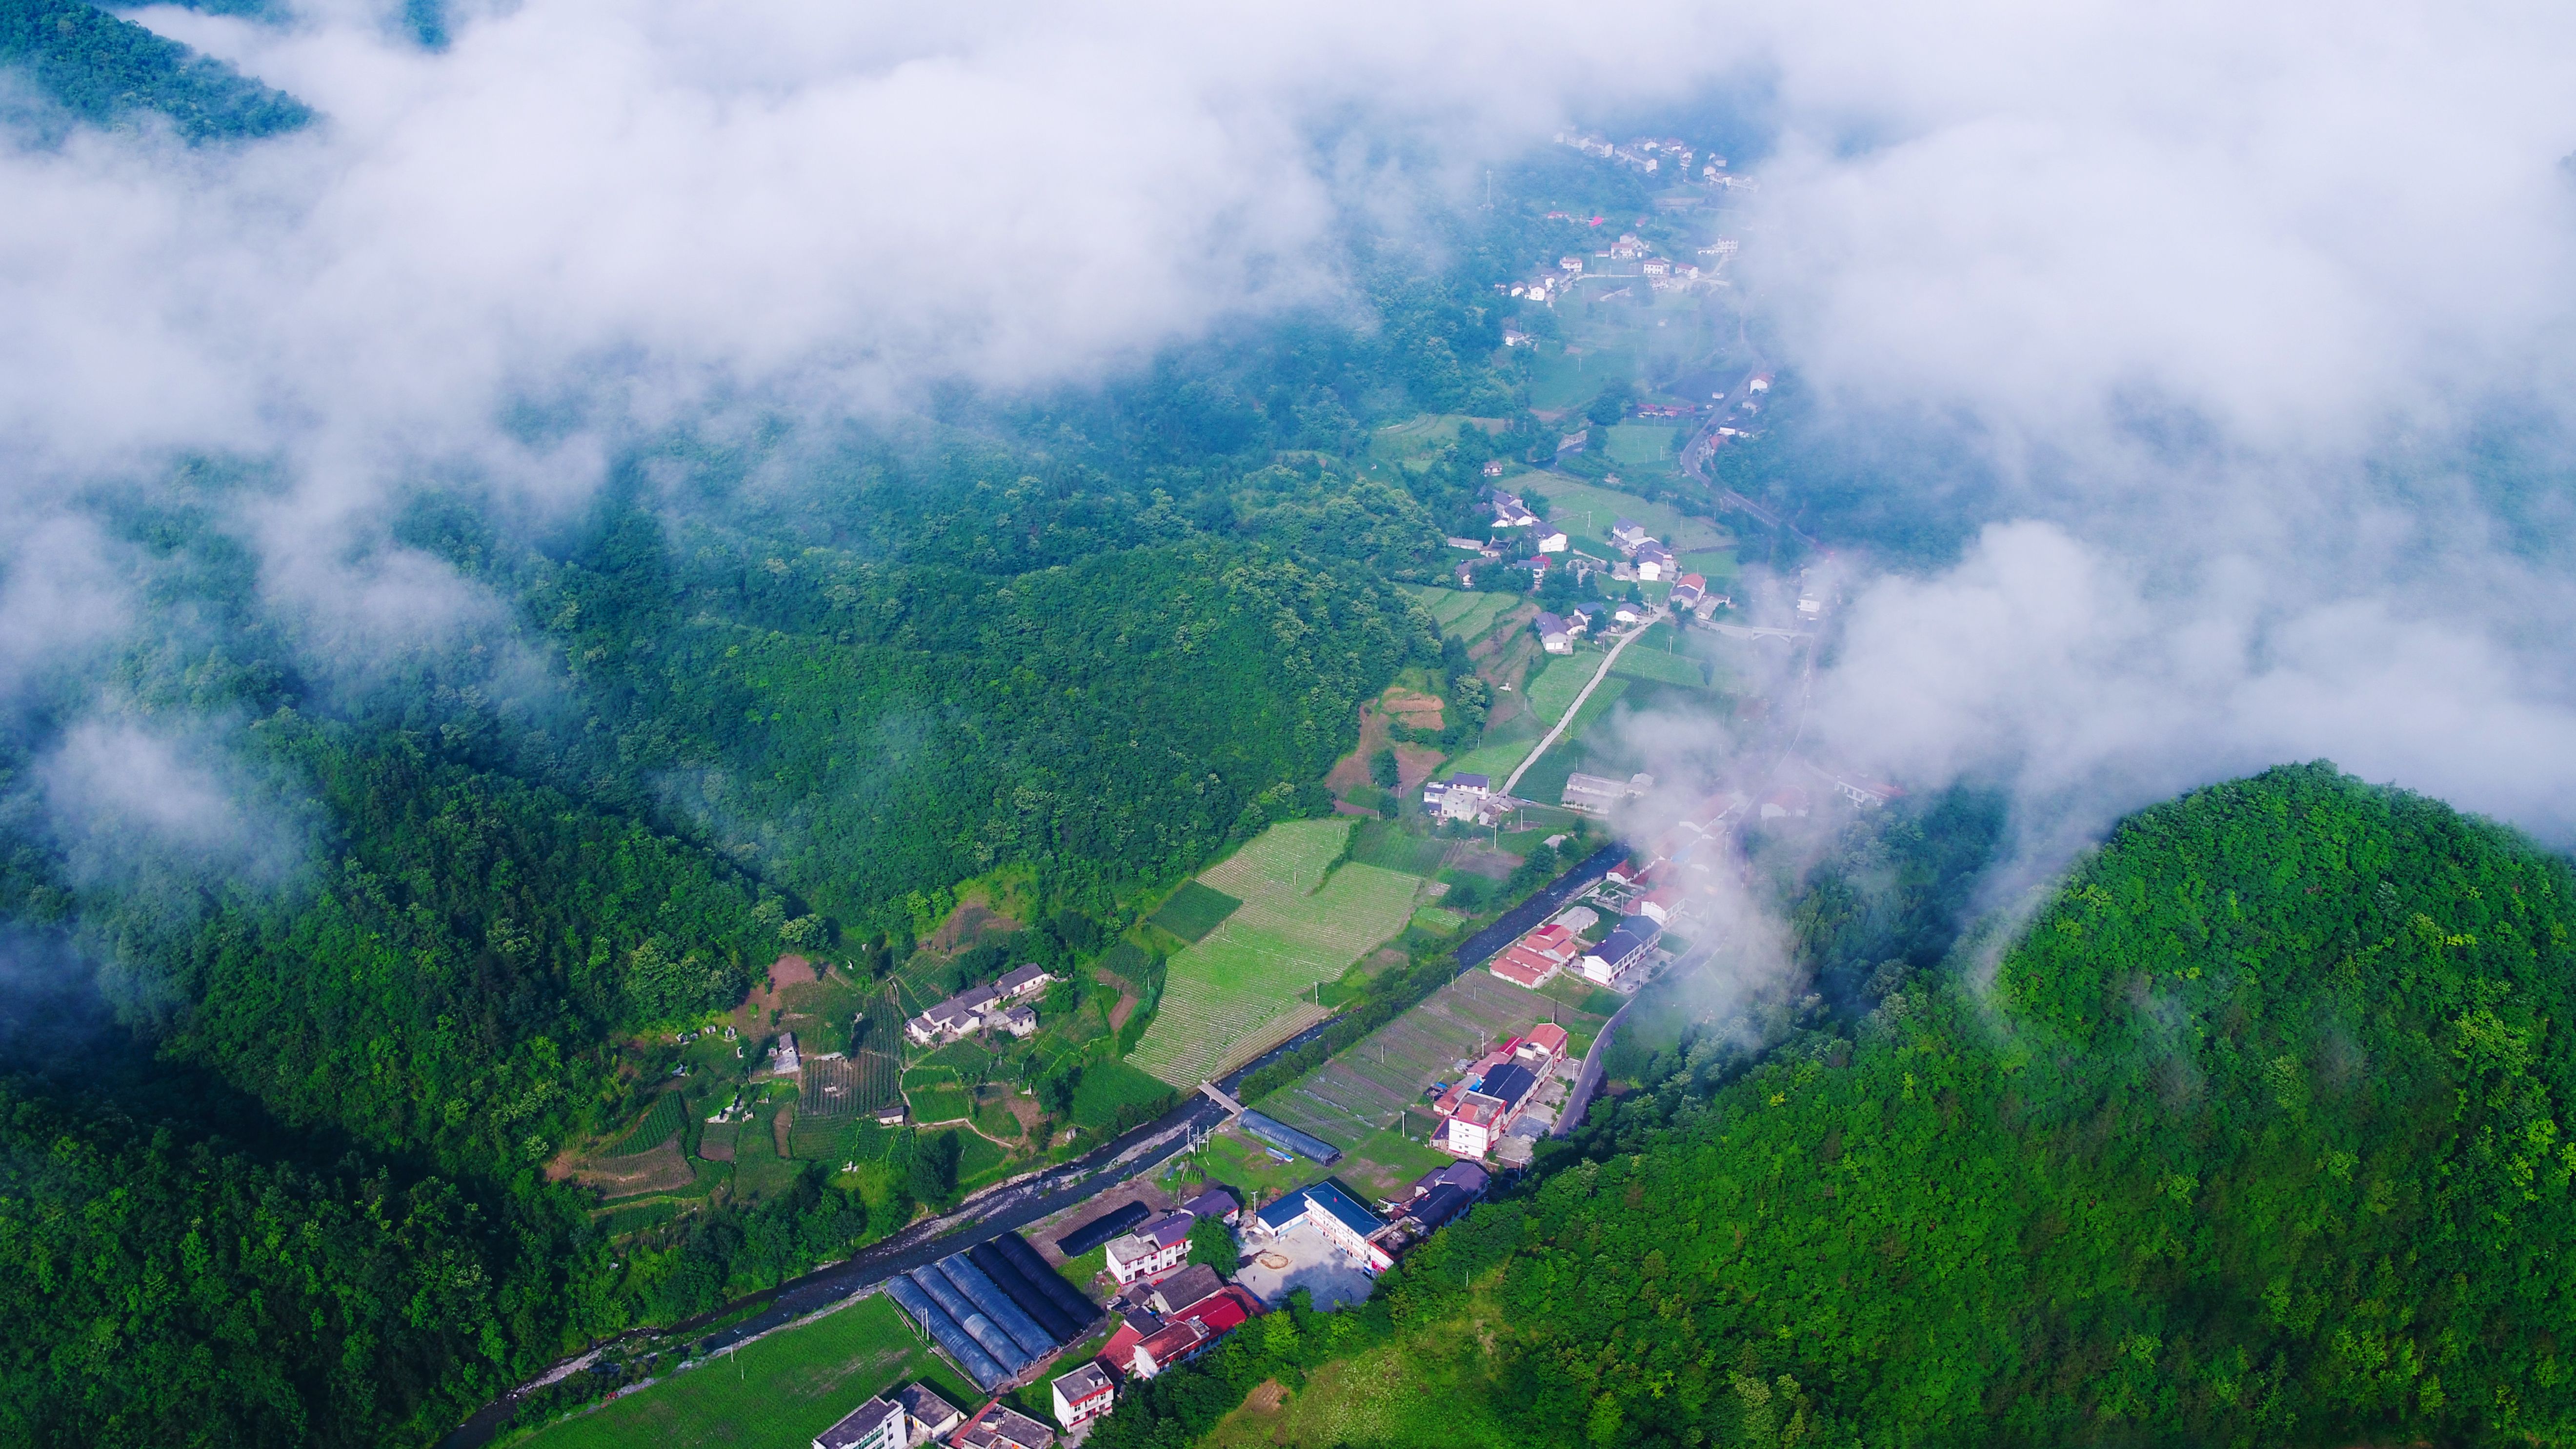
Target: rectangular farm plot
1194	910
1232	994
1643	662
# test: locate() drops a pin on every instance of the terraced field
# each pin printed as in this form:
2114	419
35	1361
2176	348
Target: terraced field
1461	613
1231	995
1366	1089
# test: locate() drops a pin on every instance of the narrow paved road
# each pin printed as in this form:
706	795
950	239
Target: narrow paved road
1652	618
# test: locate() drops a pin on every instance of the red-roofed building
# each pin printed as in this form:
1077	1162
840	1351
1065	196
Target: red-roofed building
1192	1331
1546	1038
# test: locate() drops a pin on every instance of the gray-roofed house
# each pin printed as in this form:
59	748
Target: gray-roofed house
1026	981
875	1424
926	1415
1654	561
1465	1175
1183	1288
1216	1202
1627	533
997	1427
1552	635
1083	1395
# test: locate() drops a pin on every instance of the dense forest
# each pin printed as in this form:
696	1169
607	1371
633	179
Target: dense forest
107	71
2248	1136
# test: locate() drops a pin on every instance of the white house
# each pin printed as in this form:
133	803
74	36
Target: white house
1627	534
1552	635
1156	1247
875	1424
1654	561
1084	1395
927	1416
1460	797
1551	543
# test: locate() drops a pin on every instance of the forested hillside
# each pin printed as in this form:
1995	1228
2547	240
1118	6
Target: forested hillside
105	70
2249	1136
409	927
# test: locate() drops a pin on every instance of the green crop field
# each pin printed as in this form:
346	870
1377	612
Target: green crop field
1640	662
1644	443
1107	1086
979	1162
1558	684
1461	613
1227	995
1289	858
939	1104
654	1130
1388	845
1438	920
778	1392
1194	910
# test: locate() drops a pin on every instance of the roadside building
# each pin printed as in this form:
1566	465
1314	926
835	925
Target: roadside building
1625	947
1688	590
876	1424
997	1427
1083	1395
926	1416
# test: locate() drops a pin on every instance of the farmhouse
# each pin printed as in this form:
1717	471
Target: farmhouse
1688	590
1019	1021
875	1424
997	1427
1511	512
1460	797
1026	981
926	1415
1217	1202
1156	1247
1552	635
1083	1395
1654	561
1192	1331
1552	543
1627	533
953	1018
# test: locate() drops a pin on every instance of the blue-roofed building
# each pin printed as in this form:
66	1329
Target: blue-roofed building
1334	1211
1623	950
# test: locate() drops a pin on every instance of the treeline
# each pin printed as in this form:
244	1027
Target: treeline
104	70
2254	1138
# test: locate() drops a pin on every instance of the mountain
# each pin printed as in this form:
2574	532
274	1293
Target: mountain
2248	1136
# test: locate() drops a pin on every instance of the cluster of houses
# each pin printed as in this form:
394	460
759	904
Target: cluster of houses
984	1006
1564	942
1463	796
1648	154
1522	1081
